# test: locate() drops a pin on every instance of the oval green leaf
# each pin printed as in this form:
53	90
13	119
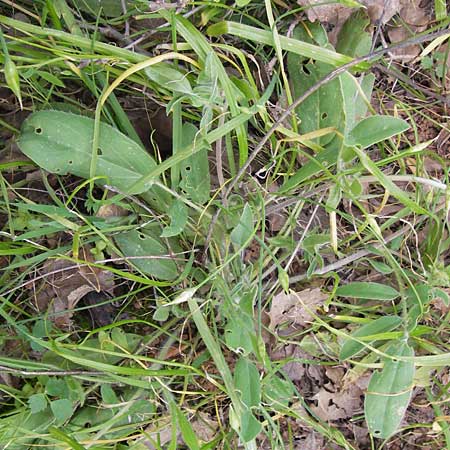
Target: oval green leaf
367	290
389	392
61	143
244	229
375	129
246	381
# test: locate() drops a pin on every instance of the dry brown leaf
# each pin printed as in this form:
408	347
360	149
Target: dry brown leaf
204	426
336	14
65	284
111	210
332	13
312	441
295	308
338	405
277	219
294	370
416	18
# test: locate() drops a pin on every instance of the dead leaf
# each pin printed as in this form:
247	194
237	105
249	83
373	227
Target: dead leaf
338	405
65	284
204	426
294	370
336	14
312	441
276	219
416	18
111	210
325	13
295	308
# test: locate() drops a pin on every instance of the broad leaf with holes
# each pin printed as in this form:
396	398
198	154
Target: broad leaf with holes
61	143
195	179
156	256
324	108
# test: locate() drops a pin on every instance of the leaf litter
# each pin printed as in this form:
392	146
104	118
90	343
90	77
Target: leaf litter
296	308
65	284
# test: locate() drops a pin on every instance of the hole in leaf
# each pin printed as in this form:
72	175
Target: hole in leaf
324	115
141	236
377	432
187	168
38	130
99	152
306	70
70	162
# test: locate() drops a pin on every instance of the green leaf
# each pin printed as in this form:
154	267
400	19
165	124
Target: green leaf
239	332
195	179
244	229
187	432
61	143
388	184
76	391
146	243
250	426
381	325
356	94
166	75
37	403
291	45
375	129
109	8
56	388
246	380
324	108
62	410
416	299
380	267
354	107
63	437
47	76
161	313
367	290
389	392
109	397
277	391
119	337
178	214
353	39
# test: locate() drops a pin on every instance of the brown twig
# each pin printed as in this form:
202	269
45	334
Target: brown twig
331	76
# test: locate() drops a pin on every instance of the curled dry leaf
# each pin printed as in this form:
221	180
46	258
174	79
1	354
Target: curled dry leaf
296	308
65	283
111	210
